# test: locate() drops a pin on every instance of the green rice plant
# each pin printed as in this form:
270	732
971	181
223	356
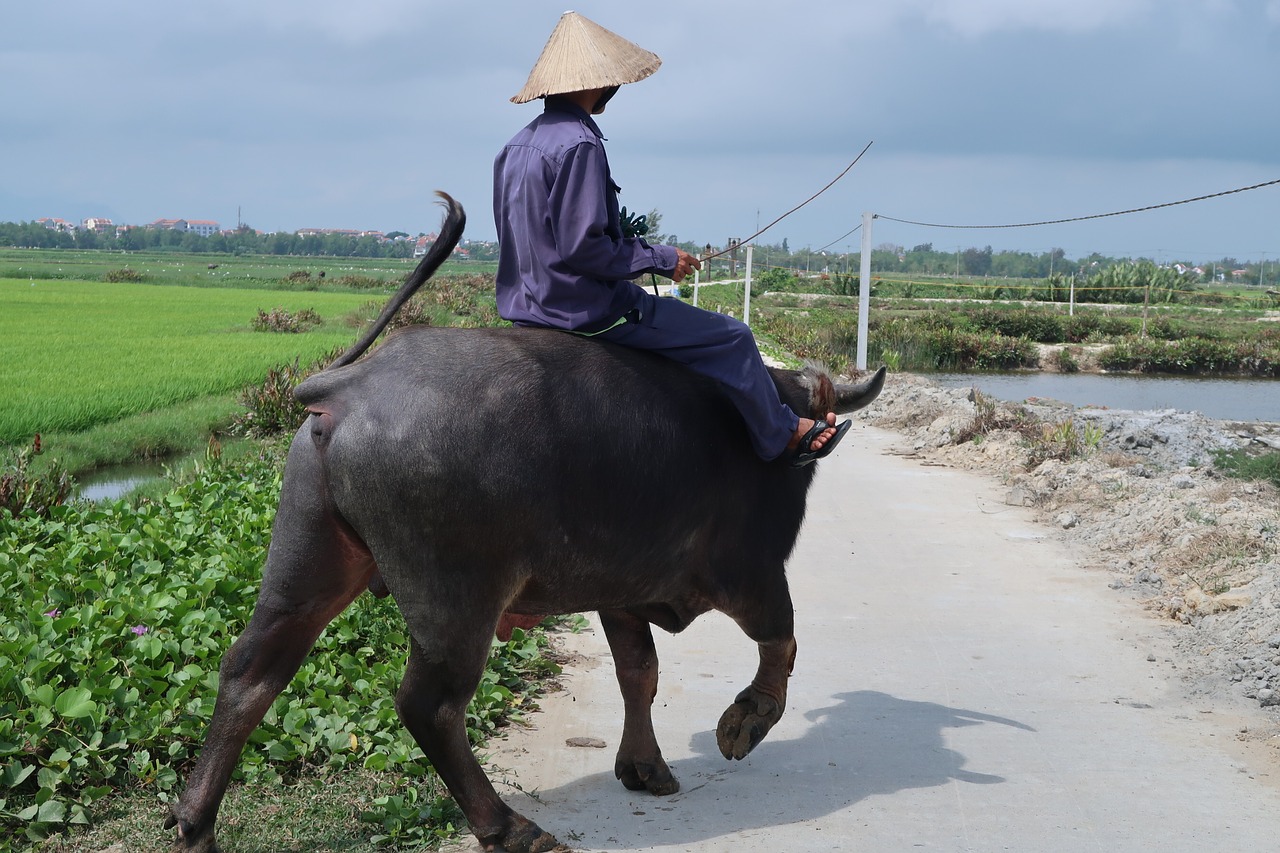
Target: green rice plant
78	354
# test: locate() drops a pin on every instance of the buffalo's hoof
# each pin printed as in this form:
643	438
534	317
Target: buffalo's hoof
526	837
745	723
189	839
654	777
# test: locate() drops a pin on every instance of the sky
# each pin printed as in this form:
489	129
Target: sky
346	114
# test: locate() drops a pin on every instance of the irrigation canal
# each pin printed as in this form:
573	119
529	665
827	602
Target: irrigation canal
1220	399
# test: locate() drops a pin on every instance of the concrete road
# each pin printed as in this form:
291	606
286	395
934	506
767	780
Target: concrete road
963	684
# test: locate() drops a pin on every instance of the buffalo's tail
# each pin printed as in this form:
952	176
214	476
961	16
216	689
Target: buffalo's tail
450	232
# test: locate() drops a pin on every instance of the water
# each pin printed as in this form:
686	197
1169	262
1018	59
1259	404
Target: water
117	480
1221	399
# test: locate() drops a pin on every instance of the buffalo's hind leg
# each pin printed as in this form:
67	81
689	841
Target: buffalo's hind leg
639	764
439	681
315	567
766	615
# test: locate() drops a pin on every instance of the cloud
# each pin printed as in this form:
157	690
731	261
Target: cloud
977	18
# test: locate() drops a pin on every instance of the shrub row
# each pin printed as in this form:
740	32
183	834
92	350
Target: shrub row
1193	355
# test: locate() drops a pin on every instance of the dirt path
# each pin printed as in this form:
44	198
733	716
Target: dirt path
990	658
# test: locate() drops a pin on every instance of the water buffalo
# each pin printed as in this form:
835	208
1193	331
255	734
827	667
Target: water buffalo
485	477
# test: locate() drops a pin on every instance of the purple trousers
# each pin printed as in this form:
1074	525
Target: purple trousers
721	348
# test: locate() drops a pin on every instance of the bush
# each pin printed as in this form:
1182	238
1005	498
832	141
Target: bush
270	407
281	320
1188	355
123	274
23	491
1066	361
1047	327
363	282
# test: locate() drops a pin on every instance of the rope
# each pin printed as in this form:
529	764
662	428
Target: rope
728	249
1083	218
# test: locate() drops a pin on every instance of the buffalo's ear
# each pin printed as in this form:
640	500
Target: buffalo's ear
850	398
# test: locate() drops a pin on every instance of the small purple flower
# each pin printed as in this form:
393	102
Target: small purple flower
54	614
139	629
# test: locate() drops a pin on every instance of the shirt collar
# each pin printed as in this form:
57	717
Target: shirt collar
564	105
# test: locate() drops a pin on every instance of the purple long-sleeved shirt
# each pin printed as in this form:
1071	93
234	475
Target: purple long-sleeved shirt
563	261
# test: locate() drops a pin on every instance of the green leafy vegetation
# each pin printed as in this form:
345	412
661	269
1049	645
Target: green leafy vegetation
1243	465
113	620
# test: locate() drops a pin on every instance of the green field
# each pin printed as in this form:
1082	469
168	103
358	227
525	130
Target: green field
81	353
193	270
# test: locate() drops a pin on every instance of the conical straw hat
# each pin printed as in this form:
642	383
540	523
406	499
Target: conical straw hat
583	55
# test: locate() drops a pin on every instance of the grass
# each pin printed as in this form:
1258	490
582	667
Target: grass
318	811
175	430
244	272
1243	465
82	354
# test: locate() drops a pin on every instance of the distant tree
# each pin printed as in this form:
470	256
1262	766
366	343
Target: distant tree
976	261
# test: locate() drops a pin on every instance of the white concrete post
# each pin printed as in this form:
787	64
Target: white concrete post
864	289
746	299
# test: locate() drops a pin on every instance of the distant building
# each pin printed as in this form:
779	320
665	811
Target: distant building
57	225
422	244
97	223
203	227
323	232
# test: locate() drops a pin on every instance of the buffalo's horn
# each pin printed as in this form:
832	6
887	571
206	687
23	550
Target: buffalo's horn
850	398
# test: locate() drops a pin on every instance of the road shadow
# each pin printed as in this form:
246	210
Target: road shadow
863	745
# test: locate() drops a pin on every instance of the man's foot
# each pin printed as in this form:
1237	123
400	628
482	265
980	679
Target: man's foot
815	439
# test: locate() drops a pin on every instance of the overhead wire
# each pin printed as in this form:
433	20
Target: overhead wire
1084	218
832	183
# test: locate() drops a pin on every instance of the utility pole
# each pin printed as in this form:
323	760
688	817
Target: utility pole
864	289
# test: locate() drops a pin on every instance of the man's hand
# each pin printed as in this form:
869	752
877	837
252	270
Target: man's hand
685	263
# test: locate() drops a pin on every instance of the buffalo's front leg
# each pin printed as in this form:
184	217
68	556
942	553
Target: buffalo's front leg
768	619
432	702
639	765
755	710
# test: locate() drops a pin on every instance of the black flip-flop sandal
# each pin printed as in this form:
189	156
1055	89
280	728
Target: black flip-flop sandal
804	455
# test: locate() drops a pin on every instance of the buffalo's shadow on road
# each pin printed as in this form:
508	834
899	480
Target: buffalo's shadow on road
866	744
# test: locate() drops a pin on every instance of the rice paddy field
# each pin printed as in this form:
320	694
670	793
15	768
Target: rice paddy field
79	353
